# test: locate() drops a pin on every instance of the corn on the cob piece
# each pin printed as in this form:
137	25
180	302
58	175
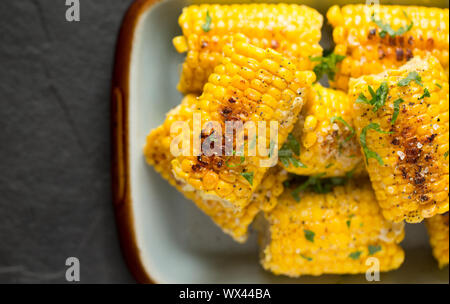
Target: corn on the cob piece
369	50
438	231
251	85
409	165
293	30
332	233
325	136
157	153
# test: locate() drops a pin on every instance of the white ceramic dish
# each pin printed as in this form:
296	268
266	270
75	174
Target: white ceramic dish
165	238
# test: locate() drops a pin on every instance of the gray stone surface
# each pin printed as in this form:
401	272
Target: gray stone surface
55	197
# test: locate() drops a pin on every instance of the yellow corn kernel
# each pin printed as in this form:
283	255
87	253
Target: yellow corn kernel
310	123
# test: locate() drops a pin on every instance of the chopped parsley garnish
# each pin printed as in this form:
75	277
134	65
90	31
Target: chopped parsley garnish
321	185
248	176
438	85
309	259
341	120
374	249
446	154
206	27
309	235
367	152
349	221
326	65
378	98
355	255
242	159
426	93
387	29
296	195
412	76
272	148
350	173
290	148
329	166
396	110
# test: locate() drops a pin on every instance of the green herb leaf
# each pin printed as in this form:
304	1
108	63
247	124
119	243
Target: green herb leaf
378	98
355	255
320	185
350	173
396	110
426	93
412	76
271	148
340	119
369	153
296	195
242	159
309	259
374	249
309	235
438	85
446	154
327	65
206	27
349	221
329	166
286	154
387	29
248	176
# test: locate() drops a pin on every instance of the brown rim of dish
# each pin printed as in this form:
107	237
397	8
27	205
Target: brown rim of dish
120	154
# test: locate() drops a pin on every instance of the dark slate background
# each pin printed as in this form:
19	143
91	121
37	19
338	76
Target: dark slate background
55	197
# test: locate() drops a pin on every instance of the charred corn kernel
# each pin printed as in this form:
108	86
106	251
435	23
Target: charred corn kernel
290	29
368	52
331	233
325	147
237	102
438	231
411	169
231	222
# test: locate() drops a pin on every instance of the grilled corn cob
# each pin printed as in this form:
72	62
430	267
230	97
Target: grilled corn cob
157	153
325	136
332	233
438	231
293	30
251	85
394	35
403	131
